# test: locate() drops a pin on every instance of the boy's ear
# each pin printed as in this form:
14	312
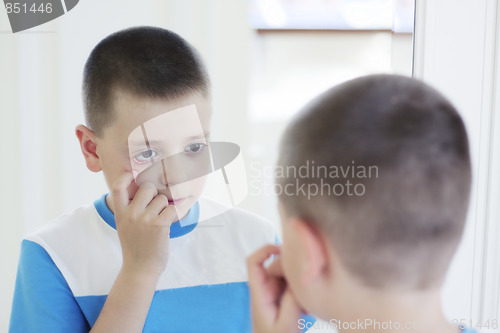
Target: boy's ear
314	247
88	144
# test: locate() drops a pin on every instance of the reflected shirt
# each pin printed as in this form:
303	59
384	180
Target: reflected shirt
67	269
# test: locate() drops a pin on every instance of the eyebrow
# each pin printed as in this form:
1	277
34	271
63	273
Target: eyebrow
156	142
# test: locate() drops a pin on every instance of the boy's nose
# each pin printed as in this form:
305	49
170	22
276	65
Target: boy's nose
181	168
172	172
163	173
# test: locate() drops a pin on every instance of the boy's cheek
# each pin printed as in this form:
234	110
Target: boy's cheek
291	260
198	185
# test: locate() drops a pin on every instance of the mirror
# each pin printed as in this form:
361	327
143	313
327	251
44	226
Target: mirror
266	58
301	48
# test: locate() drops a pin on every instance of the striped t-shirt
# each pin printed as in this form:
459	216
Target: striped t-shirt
67	269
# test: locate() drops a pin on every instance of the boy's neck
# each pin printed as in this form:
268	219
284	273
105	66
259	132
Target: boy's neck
109	203
415	312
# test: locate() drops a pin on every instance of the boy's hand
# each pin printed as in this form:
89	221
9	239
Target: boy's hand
143	226
274	309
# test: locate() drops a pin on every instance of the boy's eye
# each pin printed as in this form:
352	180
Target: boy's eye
146	155
195	147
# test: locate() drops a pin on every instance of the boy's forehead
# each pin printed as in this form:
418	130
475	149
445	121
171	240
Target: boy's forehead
175	126
131	111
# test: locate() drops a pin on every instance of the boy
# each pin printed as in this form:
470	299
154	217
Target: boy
144	257
372	259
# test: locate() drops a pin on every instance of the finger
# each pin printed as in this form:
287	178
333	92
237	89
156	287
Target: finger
157	205
256	272
275	271
119	191
144	195
276	268
258	257
168	216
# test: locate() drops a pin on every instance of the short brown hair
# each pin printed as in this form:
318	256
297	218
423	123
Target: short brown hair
404	228
146	61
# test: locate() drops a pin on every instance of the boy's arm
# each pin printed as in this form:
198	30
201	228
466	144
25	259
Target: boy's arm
127	304
143	226
43	301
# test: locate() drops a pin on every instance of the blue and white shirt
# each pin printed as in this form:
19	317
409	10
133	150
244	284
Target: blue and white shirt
67	269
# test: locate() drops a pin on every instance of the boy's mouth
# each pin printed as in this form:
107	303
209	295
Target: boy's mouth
176	201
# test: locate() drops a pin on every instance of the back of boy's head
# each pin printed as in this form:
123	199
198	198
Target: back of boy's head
403	226
145	61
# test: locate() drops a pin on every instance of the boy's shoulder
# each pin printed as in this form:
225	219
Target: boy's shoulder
69	226
79	243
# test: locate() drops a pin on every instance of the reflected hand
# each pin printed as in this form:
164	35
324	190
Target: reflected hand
274	308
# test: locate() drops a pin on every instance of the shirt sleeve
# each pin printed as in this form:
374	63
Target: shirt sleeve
43	301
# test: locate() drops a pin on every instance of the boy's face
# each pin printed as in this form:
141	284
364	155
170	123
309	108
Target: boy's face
157	141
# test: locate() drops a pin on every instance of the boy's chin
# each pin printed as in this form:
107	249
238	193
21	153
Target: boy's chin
182	206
